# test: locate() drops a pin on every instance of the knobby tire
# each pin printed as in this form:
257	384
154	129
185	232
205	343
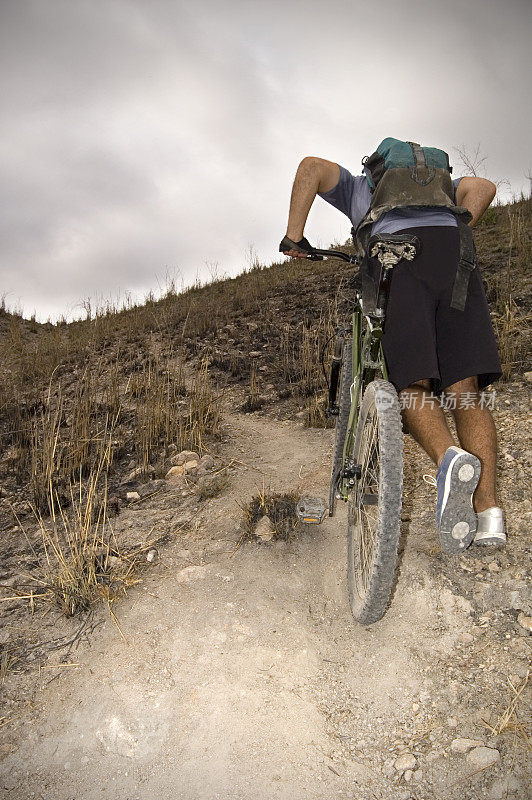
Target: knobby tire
374	505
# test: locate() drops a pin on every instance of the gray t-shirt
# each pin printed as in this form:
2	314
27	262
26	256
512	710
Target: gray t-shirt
352	196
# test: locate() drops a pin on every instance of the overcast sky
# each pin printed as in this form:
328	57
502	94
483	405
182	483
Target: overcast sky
145	138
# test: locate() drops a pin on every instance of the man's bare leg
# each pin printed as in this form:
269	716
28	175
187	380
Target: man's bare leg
425	420
477	434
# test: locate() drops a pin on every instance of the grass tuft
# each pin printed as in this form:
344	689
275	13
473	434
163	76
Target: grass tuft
516	716
279	508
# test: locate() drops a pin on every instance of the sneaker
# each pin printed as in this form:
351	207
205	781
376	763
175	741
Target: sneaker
491	528
456	480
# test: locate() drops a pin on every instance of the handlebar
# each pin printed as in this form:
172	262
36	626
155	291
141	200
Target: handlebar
312	253
319	255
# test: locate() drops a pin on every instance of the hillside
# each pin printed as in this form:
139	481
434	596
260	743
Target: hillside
223	665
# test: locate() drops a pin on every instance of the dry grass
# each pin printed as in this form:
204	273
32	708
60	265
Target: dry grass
279	508
74	562
253	401
511	314
516	716
315	416
69	448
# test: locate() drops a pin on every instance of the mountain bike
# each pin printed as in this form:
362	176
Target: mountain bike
367	470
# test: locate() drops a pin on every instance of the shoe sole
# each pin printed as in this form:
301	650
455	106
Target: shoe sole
458	521
490	540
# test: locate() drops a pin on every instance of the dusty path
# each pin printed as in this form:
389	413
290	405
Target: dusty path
244	677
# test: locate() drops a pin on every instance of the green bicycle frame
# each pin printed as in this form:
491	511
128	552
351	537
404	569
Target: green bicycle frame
368	359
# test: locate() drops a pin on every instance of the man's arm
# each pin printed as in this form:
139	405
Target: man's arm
475	194
313	175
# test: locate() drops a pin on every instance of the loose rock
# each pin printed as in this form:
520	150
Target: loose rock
174	473
464	745
149	488
152	556
206	462
264	530
132	496
185	455
189	574
482	757
137	473
405	762
388	770
524	621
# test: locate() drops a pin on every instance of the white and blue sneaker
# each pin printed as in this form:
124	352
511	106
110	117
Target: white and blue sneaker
456	480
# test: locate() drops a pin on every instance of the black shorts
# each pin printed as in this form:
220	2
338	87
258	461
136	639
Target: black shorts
423	336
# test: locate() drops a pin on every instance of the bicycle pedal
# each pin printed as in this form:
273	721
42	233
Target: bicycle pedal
311	510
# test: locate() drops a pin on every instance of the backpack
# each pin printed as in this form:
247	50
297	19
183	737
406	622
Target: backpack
404	174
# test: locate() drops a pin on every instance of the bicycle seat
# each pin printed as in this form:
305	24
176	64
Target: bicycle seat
390	248
395	238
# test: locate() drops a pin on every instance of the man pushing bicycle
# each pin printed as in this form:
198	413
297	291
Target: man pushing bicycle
438	337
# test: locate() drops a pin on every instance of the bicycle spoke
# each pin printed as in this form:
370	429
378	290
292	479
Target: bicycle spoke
367	513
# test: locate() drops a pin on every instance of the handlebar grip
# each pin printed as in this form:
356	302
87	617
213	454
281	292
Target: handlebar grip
303	246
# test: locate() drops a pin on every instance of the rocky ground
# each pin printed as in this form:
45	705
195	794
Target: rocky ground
234	669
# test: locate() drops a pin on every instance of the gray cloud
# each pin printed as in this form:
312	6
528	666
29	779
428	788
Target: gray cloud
144	137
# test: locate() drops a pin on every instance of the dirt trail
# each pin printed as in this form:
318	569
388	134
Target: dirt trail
243	675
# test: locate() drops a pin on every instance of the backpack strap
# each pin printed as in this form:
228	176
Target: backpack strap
420	166
466	265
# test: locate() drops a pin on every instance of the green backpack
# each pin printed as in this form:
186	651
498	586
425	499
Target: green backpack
404	174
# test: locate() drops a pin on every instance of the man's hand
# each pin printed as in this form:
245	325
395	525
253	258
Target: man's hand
475	194
300	249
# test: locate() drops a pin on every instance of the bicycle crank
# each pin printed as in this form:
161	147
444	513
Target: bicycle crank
311	510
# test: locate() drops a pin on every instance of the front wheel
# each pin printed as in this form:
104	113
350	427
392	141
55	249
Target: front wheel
374	505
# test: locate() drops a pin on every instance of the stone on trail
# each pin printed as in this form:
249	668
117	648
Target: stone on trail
464	745
193	573
524	621
174	473
132	496
482	757
138	473
206	462
405	762
150	488
183	456
264	530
